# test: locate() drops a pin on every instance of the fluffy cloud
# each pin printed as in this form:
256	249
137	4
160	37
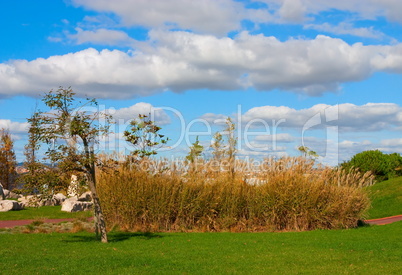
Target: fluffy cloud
222	16
346	28
180	61
156	114
366	9
391	145
14	127
281	137
207	16
348	117
102	37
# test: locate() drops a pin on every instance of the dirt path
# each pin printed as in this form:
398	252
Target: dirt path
8	224
386	220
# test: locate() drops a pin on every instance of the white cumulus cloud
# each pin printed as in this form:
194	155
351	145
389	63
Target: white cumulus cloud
14	127
158	115
210	16
180	61
346	28
348	117
365	9
101	37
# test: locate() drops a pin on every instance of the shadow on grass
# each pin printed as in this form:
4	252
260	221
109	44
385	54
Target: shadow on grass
113	237
361	223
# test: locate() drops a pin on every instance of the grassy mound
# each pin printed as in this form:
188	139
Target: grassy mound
386	199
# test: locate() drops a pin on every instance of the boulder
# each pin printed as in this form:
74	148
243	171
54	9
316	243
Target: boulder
85	196
6	205
73	205
60	198
48	202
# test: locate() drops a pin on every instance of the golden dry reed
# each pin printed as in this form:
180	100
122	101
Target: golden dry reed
278	195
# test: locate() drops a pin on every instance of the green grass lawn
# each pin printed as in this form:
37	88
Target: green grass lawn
45	212
366	250
386	198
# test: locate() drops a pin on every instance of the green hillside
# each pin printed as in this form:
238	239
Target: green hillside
386	199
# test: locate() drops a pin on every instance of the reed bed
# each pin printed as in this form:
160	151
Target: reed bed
289	194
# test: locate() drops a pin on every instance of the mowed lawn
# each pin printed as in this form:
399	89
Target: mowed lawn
42	213
366	250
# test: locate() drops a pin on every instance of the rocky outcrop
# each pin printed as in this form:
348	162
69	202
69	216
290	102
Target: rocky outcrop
30	201
38	200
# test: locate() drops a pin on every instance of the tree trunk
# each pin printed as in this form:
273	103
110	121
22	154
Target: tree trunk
100	224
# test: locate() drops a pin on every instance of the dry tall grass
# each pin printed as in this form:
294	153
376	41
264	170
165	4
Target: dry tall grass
284	194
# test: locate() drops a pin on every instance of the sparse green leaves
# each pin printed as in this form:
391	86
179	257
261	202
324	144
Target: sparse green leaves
217	147
195	151
306	152
144	135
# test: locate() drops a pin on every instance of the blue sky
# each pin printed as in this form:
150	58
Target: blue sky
326	74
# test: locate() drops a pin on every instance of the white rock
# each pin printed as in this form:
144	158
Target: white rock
7	205
60	198
73	205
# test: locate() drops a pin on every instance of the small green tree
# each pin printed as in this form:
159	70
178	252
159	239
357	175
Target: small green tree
195	151
144	135
71	131
231	145
225	149
217	147
8	161
193	156
307	153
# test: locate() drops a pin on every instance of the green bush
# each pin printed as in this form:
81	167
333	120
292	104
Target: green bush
383	166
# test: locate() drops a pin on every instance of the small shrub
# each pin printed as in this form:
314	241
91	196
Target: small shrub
383	166
36	223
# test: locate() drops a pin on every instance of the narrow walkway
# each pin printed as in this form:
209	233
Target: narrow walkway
386	220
